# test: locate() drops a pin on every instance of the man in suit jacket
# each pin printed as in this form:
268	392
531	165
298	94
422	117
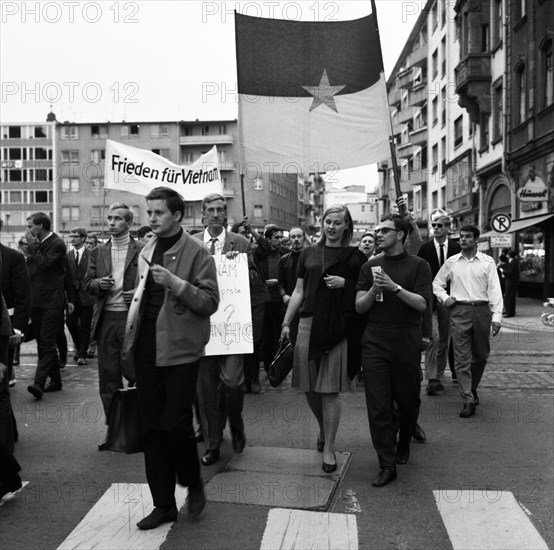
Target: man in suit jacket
435	252
111	276
79	321
46	262
221	378
17	293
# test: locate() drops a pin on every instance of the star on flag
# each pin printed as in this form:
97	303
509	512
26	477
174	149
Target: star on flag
324	93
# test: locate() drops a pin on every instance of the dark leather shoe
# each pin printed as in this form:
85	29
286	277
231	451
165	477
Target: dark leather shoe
475	397
10	486
81	362
239	442
467	411
433	387
199	436
35	390
385	476
402	455
328	468
210	457
156	518
418	434
103	446
52	387
196	500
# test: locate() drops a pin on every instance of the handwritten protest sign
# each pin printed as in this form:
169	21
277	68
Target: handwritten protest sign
231	324
139	171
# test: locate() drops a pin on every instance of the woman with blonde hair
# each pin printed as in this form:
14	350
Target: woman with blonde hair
327	354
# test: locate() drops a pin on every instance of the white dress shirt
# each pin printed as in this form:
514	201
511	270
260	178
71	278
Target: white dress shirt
470	280
218	243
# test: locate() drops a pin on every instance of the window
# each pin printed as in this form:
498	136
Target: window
162	152
443	156
97	156
98	131
521	94
188	131
70	132
136	214
41	153
159	130
70	157
258	211
443	12
43	196
497	23
96	215
222	129
443	107
458	131
547	75
258	184
443	57
14	132
70	213
464	35
43	175
96	184
16	175
434	17
70	185
434	199
124	131
205	130
189	211
497	113
435	63
485	37
134	130
484	130
40	131
16	196
435	107
520	10
188	157
435	154
15	153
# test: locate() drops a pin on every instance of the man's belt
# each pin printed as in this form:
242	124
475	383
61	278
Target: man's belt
475	303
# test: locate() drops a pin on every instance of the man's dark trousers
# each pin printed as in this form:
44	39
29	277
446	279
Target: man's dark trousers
391	361
46	323
78	324
166	397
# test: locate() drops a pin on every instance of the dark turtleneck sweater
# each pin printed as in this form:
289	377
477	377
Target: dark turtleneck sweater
155	293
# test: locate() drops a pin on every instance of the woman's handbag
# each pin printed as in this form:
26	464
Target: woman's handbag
281	364
124	422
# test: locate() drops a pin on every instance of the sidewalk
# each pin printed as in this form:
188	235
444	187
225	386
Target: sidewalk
528	313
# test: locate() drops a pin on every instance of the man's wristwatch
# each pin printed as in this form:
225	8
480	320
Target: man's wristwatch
397	289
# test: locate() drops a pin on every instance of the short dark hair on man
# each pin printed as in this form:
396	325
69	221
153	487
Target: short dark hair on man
471	229
174	201
81	231
40	218
271	230
400	223
143	230
211	198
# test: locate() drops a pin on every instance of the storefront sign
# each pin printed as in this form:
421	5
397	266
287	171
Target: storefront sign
533	191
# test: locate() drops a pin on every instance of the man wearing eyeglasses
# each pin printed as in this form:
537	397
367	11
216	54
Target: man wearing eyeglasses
435	252
394	289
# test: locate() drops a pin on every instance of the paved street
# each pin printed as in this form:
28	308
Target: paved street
486	482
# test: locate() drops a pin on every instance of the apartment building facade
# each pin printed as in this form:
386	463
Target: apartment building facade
27	174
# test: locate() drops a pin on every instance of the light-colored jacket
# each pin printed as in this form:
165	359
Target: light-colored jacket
183	324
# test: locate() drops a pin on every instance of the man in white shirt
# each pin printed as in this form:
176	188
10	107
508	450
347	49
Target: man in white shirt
475	301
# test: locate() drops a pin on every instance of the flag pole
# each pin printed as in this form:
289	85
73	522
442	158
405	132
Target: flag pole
396	172
242	194
242	154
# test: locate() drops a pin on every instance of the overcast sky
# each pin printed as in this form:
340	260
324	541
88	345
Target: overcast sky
148	60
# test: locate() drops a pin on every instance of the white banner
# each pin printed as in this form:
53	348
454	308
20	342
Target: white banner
139	171
231	324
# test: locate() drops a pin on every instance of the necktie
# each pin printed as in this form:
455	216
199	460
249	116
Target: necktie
441	255
212	246
76	257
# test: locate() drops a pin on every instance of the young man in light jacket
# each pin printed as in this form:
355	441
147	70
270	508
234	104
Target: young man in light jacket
167	328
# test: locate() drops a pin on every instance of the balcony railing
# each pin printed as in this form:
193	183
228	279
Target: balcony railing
418	58
216	139
405	115
419	95
405	150
419	136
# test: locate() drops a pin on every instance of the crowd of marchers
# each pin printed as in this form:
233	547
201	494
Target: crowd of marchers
356	315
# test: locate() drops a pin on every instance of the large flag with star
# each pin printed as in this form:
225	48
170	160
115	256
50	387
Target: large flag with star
311	95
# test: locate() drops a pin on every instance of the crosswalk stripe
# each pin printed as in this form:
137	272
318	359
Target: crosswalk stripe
486	520
299	529
111	522
9	496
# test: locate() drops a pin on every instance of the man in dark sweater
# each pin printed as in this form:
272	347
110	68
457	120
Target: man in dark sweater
394	290
46	262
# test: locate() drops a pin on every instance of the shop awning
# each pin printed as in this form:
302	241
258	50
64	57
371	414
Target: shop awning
518	225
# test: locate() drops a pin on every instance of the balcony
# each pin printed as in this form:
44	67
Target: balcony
227	166
418	58
404	79
216	139
419	136
228	192
473	79
394	97
415	177
405	115
405	150
418	95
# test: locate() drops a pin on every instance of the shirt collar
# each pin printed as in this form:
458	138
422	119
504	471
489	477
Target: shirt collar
208	238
